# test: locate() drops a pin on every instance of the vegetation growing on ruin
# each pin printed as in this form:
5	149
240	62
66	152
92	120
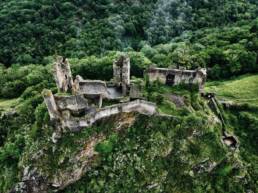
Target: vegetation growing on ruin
167	155
149	155
183	153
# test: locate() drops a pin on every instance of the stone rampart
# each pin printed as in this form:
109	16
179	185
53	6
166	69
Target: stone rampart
139	106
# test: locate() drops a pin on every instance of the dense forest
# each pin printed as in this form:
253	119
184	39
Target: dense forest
32	30
154	154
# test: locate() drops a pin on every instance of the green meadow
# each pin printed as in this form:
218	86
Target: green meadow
243	89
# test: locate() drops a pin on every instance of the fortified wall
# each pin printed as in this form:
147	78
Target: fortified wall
139	106
80	104
74	112
173	77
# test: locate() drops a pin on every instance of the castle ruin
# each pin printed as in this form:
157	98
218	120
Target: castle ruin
121	72
80	104
173	77
62	74
81	101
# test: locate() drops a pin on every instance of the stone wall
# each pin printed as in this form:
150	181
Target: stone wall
75	112
176	76
51	104
135	91
121	72
90	87
74	103
62	74
139	106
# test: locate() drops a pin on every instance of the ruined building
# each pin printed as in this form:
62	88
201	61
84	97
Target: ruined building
80	104
62	74
173	77
121	72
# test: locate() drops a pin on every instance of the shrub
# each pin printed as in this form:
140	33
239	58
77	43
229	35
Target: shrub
159	99
104	147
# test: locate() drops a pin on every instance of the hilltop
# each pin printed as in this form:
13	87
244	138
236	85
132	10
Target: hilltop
187	150
150	96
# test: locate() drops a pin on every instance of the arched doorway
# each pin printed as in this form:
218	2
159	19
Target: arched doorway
170	79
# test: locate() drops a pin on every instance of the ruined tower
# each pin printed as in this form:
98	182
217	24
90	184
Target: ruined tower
121	70
201	74
62	74
51	104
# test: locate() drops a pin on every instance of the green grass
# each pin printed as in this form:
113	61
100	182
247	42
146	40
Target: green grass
167	107
243	89
7	104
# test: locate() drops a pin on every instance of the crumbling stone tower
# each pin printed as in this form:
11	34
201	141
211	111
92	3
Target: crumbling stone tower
202	76
121	70
62	74
51	104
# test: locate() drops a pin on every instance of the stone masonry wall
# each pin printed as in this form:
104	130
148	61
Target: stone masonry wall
62	74
90	87
72	103
74	112
177	76
51	104
121	73
139	106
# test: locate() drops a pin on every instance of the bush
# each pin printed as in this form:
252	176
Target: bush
107	146
104	147
13	89
159	99
41	115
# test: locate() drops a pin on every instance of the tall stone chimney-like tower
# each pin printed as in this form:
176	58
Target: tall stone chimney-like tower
121	72
51	104
62	74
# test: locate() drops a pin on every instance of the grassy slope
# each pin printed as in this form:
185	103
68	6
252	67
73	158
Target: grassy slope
243	89
154	155
170	154
170	151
